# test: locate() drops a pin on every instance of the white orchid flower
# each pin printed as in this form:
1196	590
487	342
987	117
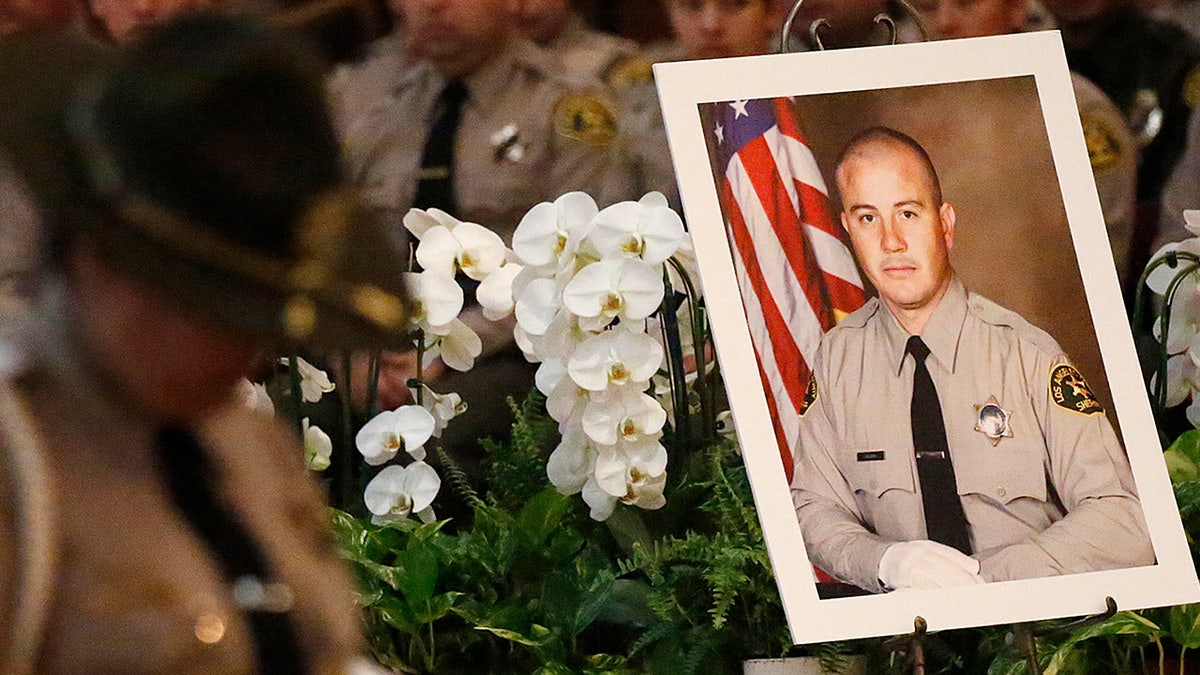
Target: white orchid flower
1184	320
381	438
419	222
537	305
438	299
647	229
600	503
398	491
615	358
443	407
550	233
254	396
622	414
495	293
1191	220
458	345
566	404
469	247
634	473
549	374
563	336
318	448
614	289
528	344
572	463
685	255
313	381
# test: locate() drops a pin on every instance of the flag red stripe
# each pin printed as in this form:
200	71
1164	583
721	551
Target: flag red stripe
787	353
785	453
760	166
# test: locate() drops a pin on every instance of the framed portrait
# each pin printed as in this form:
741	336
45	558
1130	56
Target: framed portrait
764	148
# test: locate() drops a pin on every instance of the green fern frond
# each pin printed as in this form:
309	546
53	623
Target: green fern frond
458	480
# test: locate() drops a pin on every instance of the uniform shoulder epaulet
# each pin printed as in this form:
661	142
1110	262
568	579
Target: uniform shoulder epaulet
630	71
996	315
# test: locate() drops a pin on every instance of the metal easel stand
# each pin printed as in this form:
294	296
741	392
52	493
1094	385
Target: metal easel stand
816	27
912	644
1023	637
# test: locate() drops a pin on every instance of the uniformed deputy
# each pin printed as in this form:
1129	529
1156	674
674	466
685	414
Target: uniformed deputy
944	440
557	27
482	125
1151	71
194	197
1111	147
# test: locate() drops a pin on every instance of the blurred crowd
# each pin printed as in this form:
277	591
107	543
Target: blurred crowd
518	101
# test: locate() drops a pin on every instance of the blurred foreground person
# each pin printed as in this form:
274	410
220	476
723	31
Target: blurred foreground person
1112	151
192	192
18	16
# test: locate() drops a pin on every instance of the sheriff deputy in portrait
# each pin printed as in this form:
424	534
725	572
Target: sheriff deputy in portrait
944	440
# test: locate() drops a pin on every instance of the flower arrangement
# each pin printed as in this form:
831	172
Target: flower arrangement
615	531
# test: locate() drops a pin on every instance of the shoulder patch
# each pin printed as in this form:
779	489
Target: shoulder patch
1103	145
1070	391
586	118
1191	87
630	71
810	395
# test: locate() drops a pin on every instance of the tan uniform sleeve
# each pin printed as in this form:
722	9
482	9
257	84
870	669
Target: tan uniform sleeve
1089	473
830	521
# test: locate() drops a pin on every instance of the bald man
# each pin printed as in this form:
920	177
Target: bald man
943	439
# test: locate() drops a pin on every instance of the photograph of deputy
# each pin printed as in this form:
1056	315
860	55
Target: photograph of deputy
944	440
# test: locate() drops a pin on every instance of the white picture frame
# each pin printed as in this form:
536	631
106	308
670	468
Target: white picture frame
1038	60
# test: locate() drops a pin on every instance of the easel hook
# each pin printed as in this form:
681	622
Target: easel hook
883	18
814	33
917	17
786	34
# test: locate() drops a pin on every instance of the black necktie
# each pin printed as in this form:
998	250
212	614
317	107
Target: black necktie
944	518
435	180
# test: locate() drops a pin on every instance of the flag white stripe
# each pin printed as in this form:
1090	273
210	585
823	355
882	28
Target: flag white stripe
832	255
785	409
803	322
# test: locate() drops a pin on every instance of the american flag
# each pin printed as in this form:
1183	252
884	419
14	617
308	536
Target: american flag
795	271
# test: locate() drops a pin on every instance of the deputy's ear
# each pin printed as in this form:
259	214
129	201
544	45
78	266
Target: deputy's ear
947	216
845	221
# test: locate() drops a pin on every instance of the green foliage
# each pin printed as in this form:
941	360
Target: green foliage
710	588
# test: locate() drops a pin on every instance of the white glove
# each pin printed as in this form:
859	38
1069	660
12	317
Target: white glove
926	564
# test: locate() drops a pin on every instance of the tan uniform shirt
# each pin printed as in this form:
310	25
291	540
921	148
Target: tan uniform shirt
1052	496
528	134
588	52
135	589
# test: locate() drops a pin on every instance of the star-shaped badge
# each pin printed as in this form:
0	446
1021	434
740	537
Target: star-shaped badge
993	420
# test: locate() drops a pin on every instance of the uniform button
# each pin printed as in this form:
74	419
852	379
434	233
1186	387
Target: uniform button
874	484
1001	491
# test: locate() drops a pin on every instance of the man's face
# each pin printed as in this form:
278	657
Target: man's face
454	35
710	29
122	20
973	18
901	236
540	20
162	357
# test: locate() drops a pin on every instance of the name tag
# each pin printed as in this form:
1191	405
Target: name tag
873	456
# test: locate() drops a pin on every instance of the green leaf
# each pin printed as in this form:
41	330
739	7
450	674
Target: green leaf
434	608
397	613
572	599
542	516
417	573
1183	457
1185	625
606	664
628	528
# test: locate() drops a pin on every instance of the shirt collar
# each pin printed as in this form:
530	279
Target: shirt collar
941	332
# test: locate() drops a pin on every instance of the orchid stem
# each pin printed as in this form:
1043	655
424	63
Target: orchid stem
297	394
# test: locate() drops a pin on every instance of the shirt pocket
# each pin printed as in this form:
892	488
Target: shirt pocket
1001	473
874	477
